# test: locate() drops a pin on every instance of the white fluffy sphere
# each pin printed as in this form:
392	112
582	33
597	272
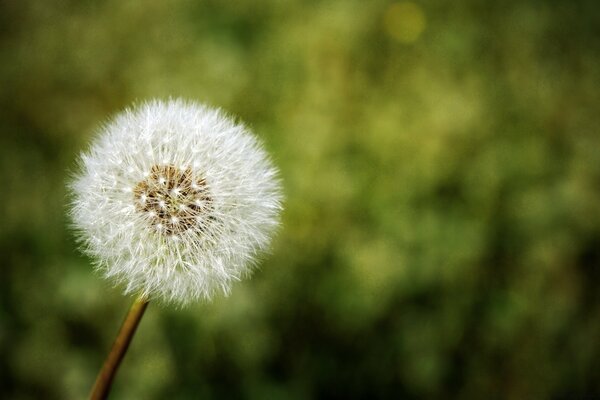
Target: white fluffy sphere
174	201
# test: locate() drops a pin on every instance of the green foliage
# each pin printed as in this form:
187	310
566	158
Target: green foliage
441	237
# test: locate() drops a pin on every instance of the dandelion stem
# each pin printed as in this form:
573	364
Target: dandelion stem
119	348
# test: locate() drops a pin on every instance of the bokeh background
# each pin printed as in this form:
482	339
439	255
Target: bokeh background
441	164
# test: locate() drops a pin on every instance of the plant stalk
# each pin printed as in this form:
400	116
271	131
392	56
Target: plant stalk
109	369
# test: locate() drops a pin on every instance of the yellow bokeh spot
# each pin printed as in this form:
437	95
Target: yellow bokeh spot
404	21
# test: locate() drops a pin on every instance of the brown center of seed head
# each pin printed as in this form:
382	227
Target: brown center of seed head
173	199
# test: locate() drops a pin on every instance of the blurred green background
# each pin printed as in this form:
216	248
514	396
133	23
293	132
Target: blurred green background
441	164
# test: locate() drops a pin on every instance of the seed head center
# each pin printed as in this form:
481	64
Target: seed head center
173	199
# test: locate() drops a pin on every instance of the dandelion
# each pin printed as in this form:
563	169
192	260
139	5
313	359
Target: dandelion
174	201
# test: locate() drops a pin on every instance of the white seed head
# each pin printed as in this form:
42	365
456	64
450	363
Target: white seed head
174	201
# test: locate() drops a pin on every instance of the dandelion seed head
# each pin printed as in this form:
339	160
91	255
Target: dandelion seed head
174	200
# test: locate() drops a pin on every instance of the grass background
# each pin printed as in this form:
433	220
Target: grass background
441	164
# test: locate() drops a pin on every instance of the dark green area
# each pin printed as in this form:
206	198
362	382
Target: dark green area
441	233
